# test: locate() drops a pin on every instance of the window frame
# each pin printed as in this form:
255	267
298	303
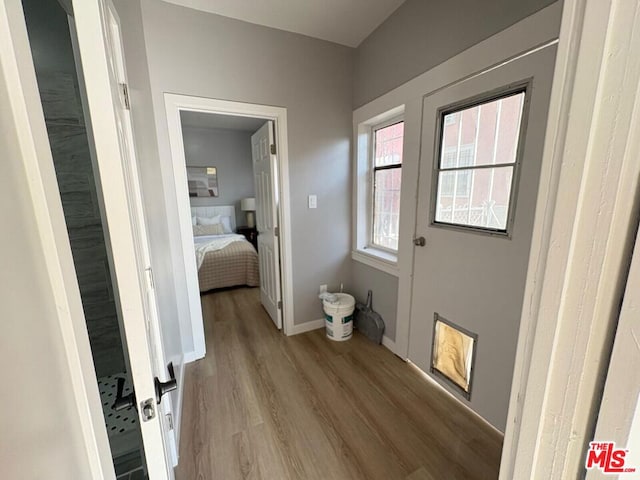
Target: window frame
486	97
371	177
361	249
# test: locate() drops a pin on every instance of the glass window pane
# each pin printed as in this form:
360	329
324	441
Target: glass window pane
475	197
386	207
388	145
484	134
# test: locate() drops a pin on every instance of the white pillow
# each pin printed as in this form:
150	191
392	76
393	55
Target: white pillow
215	229
208	221
225	220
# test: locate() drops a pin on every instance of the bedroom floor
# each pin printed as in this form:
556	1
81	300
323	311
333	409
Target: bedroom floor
265	406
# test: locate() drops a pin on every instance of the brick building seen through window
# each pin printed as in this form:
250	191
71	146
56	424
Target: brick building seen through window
387	178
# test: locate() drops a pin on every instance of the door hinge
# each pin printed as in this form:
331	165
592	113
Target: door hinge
279	304
125	95
276	231
273	149
170	421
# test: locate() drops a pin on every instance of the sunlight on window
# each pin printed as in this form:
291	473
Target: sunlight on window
478	150
387	177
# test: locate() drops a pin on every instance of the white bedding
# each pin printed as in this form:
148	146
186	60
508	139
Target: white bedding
210	243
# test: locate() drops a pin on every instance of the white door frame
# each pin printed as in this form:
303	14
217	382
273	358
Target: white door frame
174	104
583	238
16	64
619	414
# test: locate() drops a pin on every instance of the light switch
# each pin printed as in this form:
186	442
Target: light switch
313	201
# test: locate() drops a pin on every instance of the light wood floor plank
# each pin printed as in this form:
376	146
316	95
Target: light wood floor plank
265	406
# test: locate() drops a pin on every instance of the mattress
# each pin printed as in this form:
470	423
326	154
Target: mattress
234	265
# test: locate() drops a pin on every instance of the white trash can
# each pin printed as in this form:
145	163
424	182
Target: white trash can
338	316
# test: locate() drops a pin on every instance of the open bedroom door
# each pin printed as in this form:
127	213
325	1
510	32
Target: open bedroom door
102	59
265	174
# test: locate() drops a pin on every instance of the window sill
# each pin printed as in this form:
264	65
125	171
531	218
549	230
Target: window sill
379	259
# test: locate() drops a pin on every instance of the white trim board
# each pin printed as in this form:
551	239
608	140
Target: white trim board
174	104
308	326
390	344
376	262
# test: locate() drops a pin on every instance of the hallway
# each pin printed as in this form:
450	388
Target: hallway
265	406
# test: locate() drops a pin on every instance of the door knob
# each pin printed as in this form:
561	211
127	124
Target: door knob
168	386
419	241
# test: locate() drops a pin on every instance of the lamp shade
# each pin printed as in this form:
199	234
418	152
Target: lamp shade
248	204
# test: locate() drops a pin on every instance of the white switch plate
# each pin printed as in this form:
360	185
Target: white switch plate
313	201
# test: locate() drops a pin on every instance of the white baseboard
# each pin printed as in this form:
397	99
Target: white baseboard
320	323
307	327
390	344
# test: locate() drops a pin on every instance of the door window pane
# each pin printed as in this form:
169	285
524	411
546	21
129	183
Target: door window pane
482	200
476	163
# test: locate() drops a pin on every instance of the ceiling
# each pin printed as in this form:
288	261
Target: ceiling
347	22
227	122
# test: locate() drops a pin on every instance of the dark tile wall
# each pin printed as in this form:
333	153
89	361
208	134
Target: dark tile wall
70	148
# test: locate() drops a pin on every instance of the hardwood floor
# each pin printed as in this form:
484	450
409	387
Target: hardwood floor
265	406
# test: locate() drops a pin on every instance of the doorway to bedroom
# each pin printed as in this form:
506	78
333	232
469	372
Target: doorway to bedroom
230	171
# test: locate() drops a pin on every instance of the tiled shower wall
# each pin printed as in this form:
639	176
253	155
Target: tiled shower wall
70	148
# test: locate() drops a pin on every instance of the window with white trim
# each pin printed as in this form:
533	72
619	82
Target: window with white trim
386	168
377	185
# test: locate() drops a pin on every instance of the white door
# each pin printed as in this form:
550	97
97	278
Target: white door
266	188
618	420
130	248
481	151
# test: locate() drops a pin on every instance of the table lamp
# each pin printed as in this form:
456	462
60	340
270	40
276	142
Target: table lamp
249	205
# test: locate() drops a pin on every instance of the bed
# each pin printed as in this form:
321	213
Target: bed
224	259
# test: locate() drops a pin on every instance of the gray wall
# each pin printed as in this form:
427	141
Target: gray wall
195	53
41	432
230	152
420	35
385	293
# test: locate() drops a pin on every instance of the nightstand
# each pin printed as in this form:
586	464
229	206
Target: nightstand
251	234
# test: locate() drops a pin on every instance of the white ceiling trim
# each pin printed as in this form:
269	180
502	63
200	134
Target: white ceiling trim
347	22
